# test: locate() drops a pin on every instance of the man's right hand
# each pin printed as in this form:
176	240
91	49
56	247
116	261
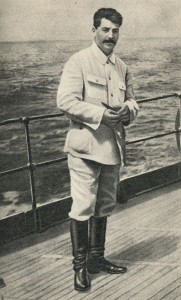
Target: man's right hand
110	118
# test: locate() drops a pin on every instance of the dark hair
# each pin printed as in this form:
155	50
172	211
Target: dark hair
108	13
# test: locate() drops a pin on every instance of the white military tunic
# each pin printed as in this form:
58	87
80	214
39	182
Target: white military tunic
87	81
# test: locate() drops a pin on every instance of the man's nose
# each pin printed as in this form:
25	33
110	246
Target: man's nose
110	34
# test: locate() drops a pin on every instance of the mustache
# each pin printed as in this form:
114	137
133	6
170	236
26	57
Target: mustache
109	41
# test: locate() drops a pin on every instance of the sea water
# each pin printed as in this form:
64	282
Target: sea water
29	78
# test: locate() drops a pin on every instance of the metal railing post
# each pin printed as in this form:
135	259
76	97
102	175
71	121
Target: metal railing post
31	167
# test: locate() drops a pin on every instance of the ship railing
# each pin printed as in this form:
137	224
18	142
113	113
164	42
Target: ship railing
31	166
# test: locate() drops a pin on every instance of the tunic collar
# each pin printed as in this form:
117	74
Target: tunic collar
101	56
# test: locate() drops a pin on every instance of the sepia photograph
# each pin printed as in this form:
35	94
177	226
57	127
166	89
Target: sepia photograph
90	151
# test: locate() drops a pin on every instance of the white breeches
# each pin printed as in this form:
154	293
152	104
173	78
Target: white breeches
93	188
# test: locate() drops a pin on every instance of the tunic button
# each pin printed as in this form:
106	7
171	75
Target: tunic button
109	78
111	95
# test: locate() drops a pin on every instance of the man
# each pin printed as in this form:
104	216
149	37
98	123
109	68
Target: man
91	79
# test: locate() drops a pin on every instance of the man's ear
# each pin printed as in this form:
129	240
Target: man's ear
94	32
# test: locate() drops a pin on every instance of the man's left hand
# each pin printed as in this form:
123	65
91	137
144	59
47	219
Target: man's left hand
124	113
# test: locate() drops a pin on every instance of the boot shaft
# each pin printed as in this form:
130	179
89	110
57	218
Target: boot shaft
97	235
97	239
79	236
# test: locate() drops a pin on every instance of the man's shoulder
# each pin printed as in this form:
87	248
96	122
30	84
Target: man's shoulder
122	66
120	61
81	54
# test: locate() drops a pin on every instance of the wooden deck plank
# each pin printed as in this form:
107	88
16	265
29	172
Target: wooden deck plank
35	279
144	235
45	284
177	298
142	283
169	292
108	290
127	290
157	285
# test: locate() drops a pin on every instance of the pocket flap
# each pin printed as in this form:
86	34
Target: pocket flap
96	79
122	85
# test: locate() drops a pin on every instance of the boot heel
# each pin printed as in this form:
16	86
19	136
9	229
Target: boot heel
81	280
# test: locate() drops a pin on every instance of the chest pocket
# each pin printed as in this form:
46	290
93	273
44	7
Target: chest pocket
96	87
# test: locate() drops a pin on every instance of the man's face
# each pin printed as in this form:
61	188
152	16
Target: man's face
106	36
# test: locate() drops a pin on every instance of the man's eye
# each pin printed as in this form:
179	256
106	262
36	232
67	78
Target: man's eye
105	30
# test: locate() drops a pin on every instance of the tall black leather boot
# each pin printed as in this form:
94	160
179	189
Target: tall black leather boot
96	260
79	238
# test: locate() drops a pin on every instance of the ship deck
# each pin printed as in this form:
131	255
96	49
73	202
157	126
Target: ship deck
143	234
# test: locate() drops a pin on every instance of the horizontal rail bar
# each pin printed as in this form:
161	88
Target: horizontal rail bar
159	98
152	137
38	165
40	117
49	162
23	168
31	118
10	121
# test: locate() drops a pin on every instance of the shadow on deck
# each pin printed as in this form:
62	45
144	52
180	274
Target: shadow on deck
143	234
